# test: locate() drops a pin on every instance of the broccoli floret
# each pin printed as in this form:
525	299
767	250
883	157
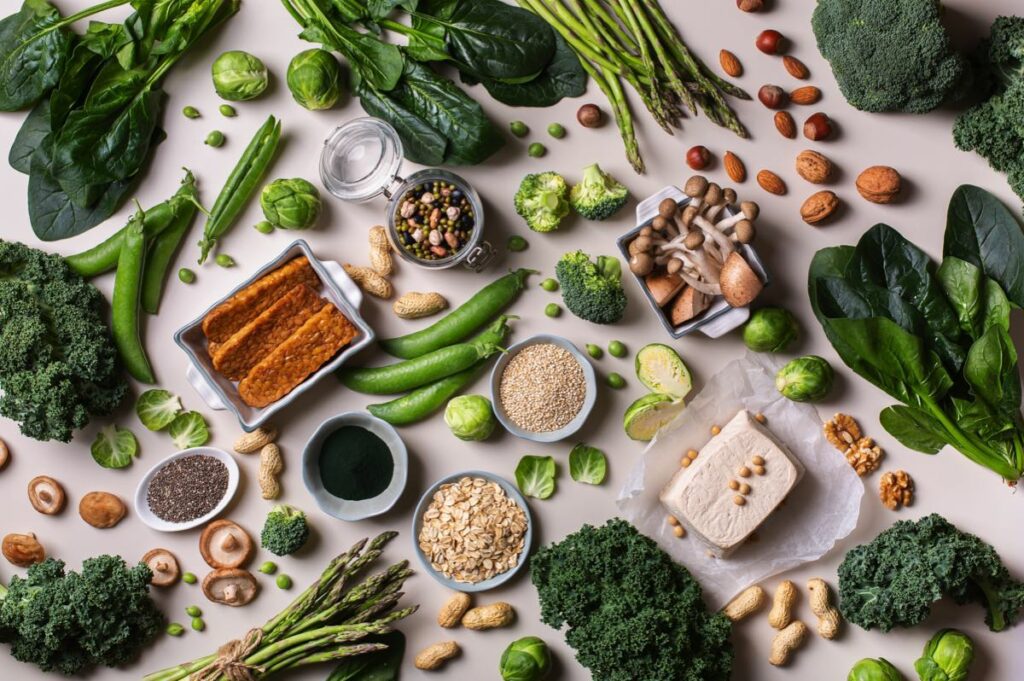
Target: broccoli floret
599	195
890	56
542	200
70	622
59	366
592	290
994	128
893	580
285	530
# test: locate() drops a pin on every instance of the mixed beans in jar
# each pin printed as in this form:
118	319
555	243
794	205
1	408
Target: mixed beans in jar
434	220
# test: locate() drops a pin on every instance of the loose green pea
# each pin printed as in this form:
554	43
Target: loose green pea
595	351
264	227
188	577
268	568
193	611
215	139
190	112
536	150
187	276
556	130
616	381
175	629
552	310
225	260
519	129
617	349
198	624
284	582
517	243
228	110
549	285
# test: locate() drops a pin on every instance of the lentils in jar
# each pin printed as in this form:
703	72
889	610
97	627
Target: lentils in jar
435	220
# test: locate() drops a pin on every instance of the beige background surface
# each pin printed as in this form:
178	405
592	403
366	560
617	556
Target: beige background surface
921	147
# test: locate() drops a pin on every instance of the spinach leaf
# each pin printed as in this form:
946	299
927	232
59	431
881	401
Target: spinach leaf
914	428
382	665
997	307
378	9
379	63
961	282
420	142
33	48
33	131
982	231
563	77
991	371
426	40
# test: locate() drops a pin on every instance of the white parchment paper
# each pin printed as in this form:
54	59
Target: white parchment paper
820	510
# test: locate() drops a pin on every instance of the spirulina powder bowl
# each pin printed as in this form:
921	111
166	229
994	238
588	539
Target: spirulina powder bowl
355	466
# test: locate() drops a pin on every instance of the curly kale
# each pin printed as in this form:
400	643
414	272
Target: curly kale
285	530
893	580
994	128
592	290
890	56
631	612
70	622
59	366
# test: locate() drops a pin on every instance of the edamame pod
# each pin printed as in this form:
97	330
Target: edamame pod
125	302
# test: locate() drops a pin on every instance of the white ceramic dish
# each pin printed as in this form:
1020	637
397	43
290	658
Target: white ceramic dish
344	509
588	400
142	505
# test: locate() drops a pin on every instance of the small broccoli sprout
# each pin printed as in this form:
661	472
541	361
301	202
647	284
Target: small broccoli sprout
519	129
470	417
215	139
805	379
599	195
536	150
284	531
239	76
542	200
770	329
190	112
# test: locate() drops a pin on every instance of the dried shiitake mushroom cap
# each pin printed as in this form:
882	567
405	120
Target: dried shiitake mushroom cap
46	495
102	510
225	545
740	284
230	586
164	566
23	550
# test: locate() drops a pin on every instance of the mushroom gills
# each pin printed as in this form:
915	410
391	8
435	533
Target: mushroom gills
230	586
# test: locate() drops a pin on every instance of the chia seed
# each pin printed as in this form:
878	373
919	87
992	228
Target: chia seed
542	388
187	488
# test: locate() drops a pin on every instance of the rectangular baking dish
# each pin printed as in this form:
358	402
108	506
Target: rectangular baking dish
221	393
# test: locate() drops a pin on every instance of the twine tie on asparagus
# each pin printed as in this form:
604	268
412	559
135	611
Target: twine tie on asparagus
230	661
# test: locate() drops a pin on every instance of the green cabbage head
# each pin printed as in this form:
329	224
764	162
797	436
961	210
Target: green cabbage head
291	203
527	659
314	79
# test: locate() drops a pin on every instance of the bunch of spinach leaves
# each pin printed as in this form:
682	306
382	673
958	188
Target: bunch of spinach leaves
98	101
936	338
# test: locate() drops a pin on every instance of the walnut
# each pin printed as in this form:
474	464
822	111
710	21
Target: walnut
865	456
896	489
842	431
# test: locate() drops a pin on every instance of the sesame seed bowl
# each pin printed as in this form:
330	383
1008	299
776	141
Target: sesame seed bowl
538	394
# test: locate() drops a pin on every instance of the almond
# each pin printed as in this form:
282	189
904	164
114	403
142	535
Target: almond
730	63
734	167
795	68
805	95
879	184
819	207
771	183
785	124
814	167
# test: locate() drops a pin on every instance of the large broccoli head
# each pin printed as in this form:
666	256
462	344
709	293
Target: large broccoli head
59	365
599	195
592	290
542	200
284	531
890	56
893	580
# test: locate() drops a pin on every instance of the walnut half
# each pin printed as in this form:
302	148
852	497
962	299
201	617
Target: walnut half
842	431
864	455
896	489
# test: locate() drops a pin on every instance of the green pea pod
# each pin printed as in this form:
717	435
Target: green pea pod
462	321
165	245
241	184
125	302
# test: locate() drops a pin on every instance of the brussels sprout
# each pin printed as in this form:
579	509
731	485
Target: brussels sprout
770	329
470	417
869	669
527	659
805	379
239	76
947	657
290	203
314	79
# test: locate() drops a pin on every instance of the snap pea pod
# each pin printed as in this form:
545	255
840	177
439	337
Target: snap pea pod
462	321
417	372
165	245
125	302
241	184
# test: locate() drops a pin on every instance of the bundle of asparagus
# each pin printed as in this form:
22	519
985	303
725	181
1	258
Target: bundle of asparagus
327	622
634	41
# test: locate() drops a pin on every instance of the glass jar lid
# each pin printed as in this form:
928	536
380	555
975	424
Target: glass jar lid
360	159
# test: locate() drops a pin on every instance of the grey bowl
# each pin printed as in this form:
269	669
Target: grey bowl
345	509
497	580
588	401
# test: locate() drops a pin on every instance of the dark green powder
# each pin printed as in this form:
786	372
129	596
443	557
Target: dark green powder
355	464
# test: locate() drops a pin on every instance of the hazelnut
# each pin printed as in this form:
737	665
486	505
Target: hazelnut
818	127
590	116
879	184
23	549
770	41
698	157
102	510
750	5
772	96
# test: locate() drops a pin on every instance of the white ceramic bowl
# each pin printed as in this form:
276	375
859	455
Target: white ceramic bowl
345	509
142	505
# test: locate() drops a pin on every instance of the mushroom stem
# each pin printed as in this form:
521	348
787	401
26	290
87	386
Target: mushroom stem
723	242
702	286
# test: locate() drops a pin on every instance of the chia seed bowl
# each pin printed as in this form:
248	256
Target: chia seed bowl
150	518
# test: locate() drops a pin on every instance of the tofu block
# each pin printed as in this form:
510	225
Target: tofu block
701	498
